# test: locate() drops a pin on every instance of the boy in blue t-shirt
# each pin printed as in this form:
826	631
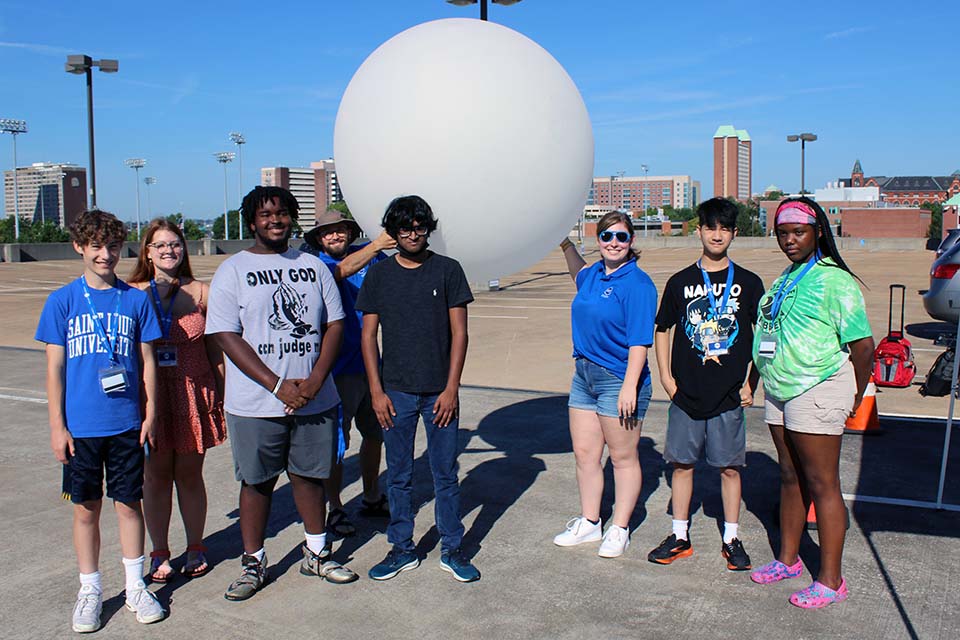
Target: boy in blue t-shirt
97	331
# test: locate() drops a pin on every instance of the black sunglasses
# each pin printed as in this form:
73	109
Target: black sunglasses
608	236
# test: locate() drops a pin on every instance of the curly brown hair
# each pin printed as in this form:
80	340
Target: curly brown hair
94	225
143	270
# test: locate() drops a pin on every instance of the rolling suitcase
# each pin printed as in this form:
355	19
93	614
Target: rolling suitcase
893	364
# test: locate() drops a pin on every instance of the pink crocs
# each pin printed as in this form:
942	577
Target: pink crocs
817	595
776	571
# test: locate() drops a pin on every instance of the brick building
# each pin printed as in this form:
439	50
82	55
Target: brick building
885	222
732	163
906	190
315	187
55	191
644	192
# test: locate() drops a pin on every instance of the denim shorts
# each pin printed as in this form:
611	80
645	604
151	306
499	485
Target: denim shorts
597	389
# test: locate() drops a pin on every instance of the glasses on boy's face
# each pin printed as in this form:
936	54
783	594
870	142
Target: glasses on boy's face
163	246
608	236
406	232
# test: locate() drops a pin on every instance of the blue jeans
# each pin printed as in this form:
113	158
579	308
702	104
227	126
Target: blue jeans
442	451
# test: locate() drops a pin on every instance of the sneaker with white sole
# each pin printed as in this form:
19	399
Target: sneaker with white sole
579	530
615	542
145	605
86	613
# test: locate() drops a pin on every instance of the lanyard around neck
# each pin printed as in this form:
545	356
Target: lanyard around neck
110	341
718	310
166	317
787	287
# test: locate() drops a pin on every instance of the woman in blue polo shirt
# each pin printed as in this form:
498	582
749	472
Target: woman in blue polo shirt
613	320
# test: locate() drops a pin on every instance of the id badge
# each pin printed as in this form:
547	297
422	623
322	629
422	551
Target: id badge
167	355
768	346
716	348
113	379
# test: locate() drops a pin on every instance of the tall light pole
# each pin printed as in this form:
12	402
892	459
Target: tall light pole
84	64
483	5
644	168
224	157
239	140
149	181
136	164
804	138
14	128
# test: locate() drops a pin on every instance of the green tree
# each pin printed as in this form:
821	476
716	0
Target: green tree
30	231
748	219
234	217
935	231
192	230
342	207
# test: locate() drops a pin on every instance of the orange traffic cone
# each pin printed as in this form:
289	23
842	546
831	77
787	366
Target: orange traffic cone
865	421
812	518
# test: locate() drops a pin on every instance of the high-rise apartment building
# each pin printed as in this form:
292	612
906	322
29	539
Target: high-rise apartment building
639	193
47	191
732	163
315	187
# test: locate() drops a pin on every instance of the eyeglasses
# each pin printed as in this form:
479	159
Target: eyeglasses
161	246
608	236
330	231
406	232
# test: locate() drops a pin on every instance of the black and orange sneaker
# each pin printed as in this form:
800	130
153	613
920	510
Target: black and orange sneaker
670	549
737	558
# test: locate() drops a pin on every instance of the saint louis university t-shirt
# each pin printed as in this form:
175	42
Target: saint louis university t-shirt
66	321
277	302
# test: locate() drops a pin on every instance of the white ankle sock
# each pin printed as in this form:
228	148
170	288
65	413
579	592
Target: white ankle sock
315	541
259	555
91	579
680	529
730	531
133	570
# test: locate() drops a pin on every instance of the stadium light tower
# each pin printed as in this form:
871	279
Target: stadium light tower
136	164
238	139
84	64
149	181
225	157
14	128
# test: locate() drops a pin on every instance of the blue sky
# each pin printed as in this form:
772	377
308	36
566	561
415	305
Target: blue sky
876	82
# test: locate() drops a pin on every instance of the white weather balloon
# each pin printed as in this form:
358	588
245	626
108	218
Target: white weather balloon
482	123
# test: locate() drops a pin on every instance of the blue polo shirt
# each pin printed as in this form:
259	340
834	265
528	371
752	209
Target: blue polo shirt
612	313
350	360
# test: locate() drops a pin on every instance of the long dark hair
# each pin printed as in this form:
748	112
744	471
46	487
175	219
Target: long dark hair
143	270
826	245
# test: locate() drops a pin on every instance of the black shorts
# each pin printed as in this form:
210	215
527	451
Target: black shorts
121	455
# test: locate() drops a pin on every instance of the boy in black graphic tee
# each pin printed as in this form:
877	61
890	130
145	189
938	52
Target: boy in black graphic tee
703	371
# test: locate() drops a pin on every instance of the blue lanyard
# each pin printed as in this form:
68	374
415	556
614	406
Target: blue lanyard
786	288
718	310
110	341
166	318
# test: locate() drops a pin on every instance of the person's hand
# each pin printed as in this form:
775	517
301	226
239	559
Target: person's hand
446	407
383	409
857	399
62	444
147	434
384	242
627	406
289	394
746	396
670	386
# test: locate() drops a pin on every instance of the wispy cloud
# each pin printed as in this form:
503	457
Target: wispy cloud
846	33
652	95
43	49
691	111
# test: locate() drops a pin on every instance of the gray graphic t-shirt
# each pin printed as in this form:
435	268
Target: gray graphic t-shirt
277	303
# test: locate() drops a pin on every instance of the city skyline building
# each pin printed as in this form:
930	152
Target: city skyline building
906	190
639	193
54	191
732	163
315	187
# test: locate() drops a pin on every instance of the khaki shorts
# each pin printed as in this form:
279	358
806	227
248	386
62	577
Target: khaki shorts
821	410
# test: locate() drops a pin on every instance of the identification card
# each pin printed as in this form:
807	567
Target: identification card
113	379
768	346
716	347
167	355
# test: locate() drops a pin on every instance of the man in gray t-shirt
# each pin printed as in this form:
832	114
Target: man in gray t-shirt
277	315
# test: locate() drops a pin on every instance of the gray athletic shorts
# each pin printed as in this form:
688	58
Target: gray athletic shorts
263	448
357	407
725	436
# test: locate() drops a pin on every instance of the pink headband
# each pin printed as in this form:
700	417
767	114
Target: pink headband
796	213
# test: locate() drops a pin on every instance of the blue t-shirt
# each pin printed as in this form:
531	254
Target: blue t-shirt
612	313
350	360
66	321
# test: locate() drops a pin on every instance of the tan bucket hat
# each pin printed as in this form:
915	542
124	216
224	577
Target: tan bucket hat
329	218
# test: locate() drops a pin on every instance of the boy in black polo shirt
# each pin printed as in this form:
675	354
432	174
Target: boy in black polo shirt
703	372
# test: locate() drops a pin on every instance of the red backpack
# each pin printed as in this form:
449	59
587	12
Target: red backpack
893	364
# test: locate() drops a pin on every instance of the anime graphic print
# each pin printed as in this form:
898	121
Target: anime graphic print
711	333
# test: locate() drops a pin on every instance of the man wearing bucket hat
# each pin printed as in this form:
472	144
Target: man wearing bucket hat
331	240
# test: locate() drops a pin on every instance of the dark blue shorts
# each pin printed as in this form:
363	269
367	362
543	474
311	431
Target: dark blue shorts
122	457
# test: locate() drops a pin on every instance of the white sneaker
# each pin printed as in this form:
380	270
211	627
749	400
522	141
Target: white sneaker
579	530
144	604
615	542
86	613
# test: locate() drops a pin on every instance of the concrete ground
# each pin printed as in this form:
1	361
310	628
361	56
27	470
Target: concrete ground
518	490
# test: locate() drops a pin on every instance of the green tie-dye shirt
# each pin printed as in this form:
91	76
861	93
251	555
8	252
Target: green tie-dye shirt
821	314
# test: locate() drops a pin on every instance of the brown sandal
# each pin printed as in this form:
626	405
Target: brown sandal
200	566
